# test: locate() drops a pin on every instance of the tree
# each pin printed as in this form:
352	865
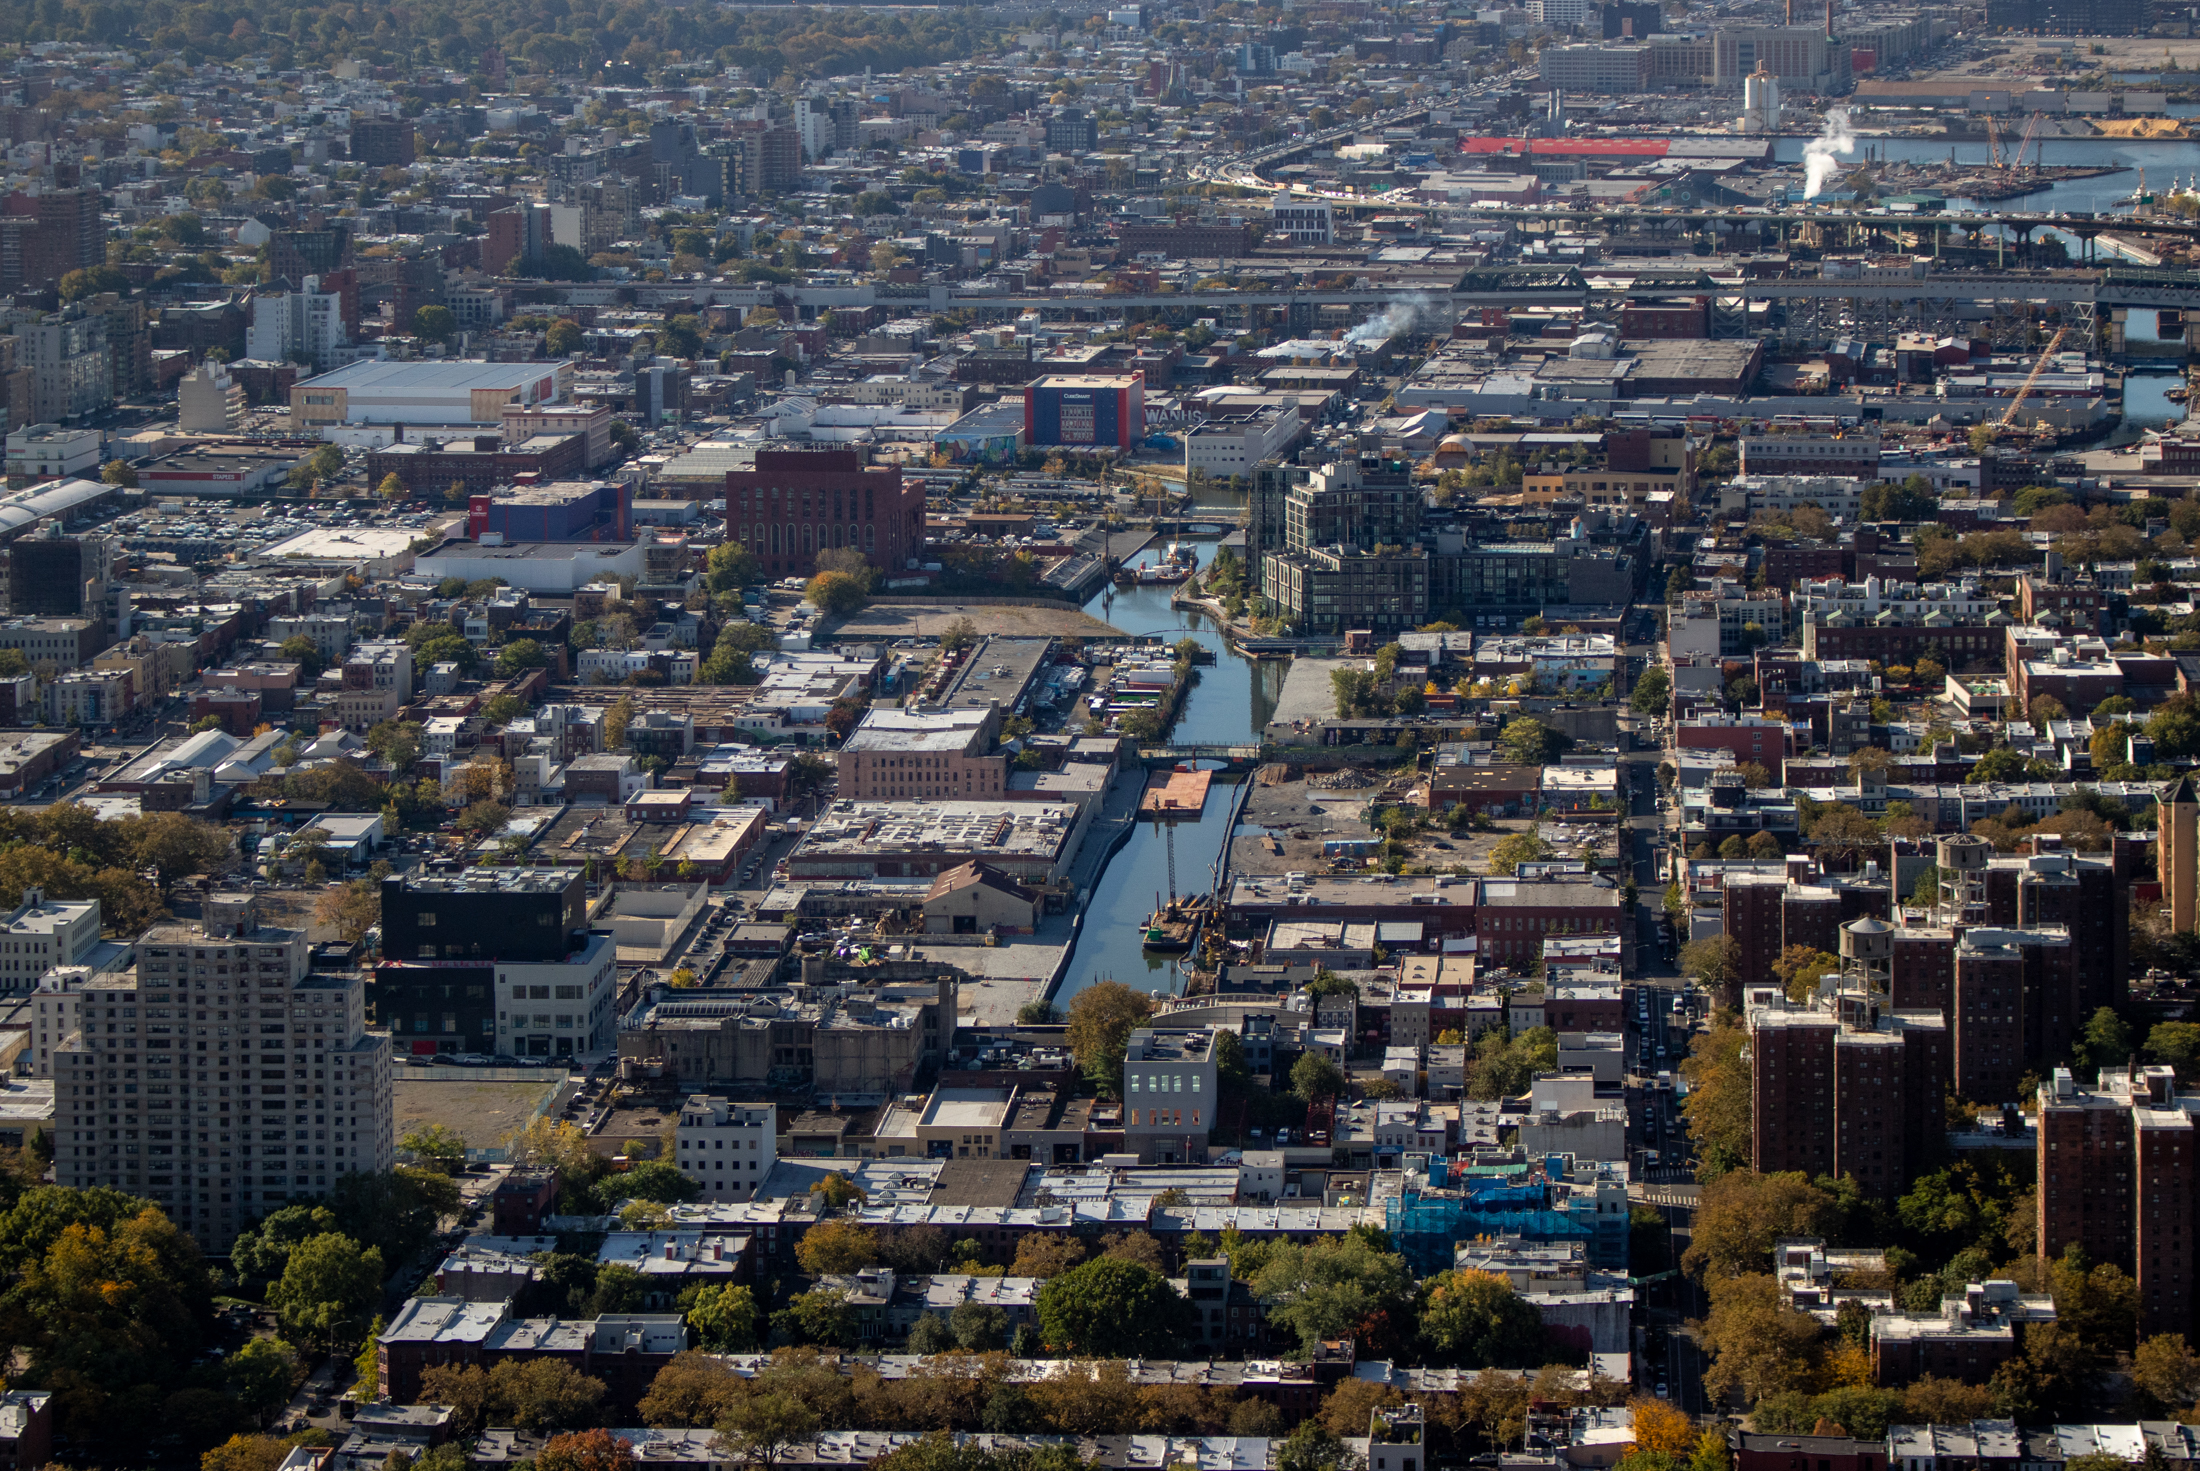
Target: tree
760	1428
434	323
391	488
1505	1067
929	1335
263	1374
327	1289
978	1327
1475	1320
2106	1040
563	338
1932	1400
520	655
1101	1019
1759	1345
835	593
1310	1447
586	1450
1513	850
106	1307
732	566
833	1248
1530	742
1328	1288
2176	1044
1314	1076
442	1147
2165	1370
119	473
1045	1256
1742	1213
1113	1309
265	1250
246	1453
483	818
820	1316
1653	691
1799	968
961	634
395	1212
836	1192
1661	1427
696	1388
1714	960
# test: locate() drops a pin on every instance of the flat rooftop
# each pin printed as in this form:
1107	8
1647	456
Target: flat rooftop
449	376
967	1108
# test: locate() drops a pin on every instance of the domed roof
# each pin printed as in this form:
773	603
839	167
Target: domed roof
1868	926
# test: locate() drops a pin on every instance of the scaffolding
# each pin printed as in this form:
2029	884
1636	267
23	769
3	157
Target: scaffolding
1445	1203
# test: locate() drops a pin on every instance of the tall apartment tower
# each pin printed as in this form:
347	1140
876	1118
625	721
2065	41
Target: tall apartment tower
2119	1175
221	1079
2180	858
1843	1084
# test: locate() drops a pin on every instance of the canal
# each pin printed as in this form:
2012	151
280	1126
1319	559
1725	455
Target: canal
1228	704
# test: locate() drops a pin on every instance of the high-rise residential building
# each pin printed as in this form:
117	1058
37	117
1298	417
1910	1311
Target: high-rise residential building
65	353
45	236
2015	952
381	142
304	325
57	576
43	933
495	961
2119	1176
726	1148
1842	1084
222	1077
1350	554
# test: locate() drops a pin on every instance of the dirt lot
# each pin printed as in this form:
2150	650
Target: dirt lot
922	620
1298	817
483	1112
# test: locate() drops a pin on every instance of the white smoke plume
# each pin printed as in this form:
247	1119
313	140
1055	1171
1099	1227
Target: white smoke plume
1818	153
1394	320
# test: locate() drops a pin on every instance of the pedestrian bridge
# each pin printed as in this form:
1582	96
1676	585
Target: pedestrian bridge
1228	755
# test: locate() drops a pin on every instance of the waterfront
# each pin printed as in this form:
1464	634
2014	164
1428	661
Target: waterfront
1228	704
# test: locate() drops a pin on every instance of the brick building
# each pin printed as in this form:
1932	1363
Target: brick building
796	503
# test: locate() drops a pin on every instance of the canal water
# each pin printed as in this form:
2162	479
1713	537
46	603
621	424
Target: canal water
1228	704
2166	161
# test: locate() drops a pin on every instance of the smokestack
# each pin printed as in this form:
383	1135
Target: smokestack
1791	12
1829	19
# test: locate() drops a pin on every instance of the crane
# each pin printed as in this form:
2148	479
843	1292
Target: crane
1993	141
2029	379
2031	129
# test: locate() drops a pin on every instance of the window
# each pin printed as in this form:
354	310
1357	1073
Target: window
425	920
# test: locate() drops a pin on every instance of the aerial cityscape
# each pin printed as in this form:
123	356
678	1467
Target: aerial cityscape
1195	736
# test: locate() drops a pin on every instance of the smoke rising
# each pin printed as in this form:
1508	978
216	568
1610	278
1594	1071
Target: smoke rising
1818	153
1394	320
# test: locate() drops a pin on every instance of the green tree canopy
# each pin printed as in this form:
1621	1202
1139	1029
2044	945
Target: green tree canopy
1110	1308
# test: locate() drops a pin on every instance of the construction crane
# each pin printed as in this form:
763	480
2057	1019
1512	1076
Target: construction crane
1993	141
2031	130
2030	378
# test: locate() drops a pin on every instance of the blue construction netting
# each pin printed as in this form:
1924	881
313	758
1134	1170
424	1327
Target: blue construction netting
1426	1227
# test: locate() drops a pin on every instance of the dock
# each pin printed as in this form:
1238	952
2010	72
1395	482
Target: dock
1180	795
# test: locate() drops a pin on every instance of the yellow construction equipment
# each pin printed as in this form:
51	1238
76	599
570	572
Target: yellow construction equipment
2030	378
